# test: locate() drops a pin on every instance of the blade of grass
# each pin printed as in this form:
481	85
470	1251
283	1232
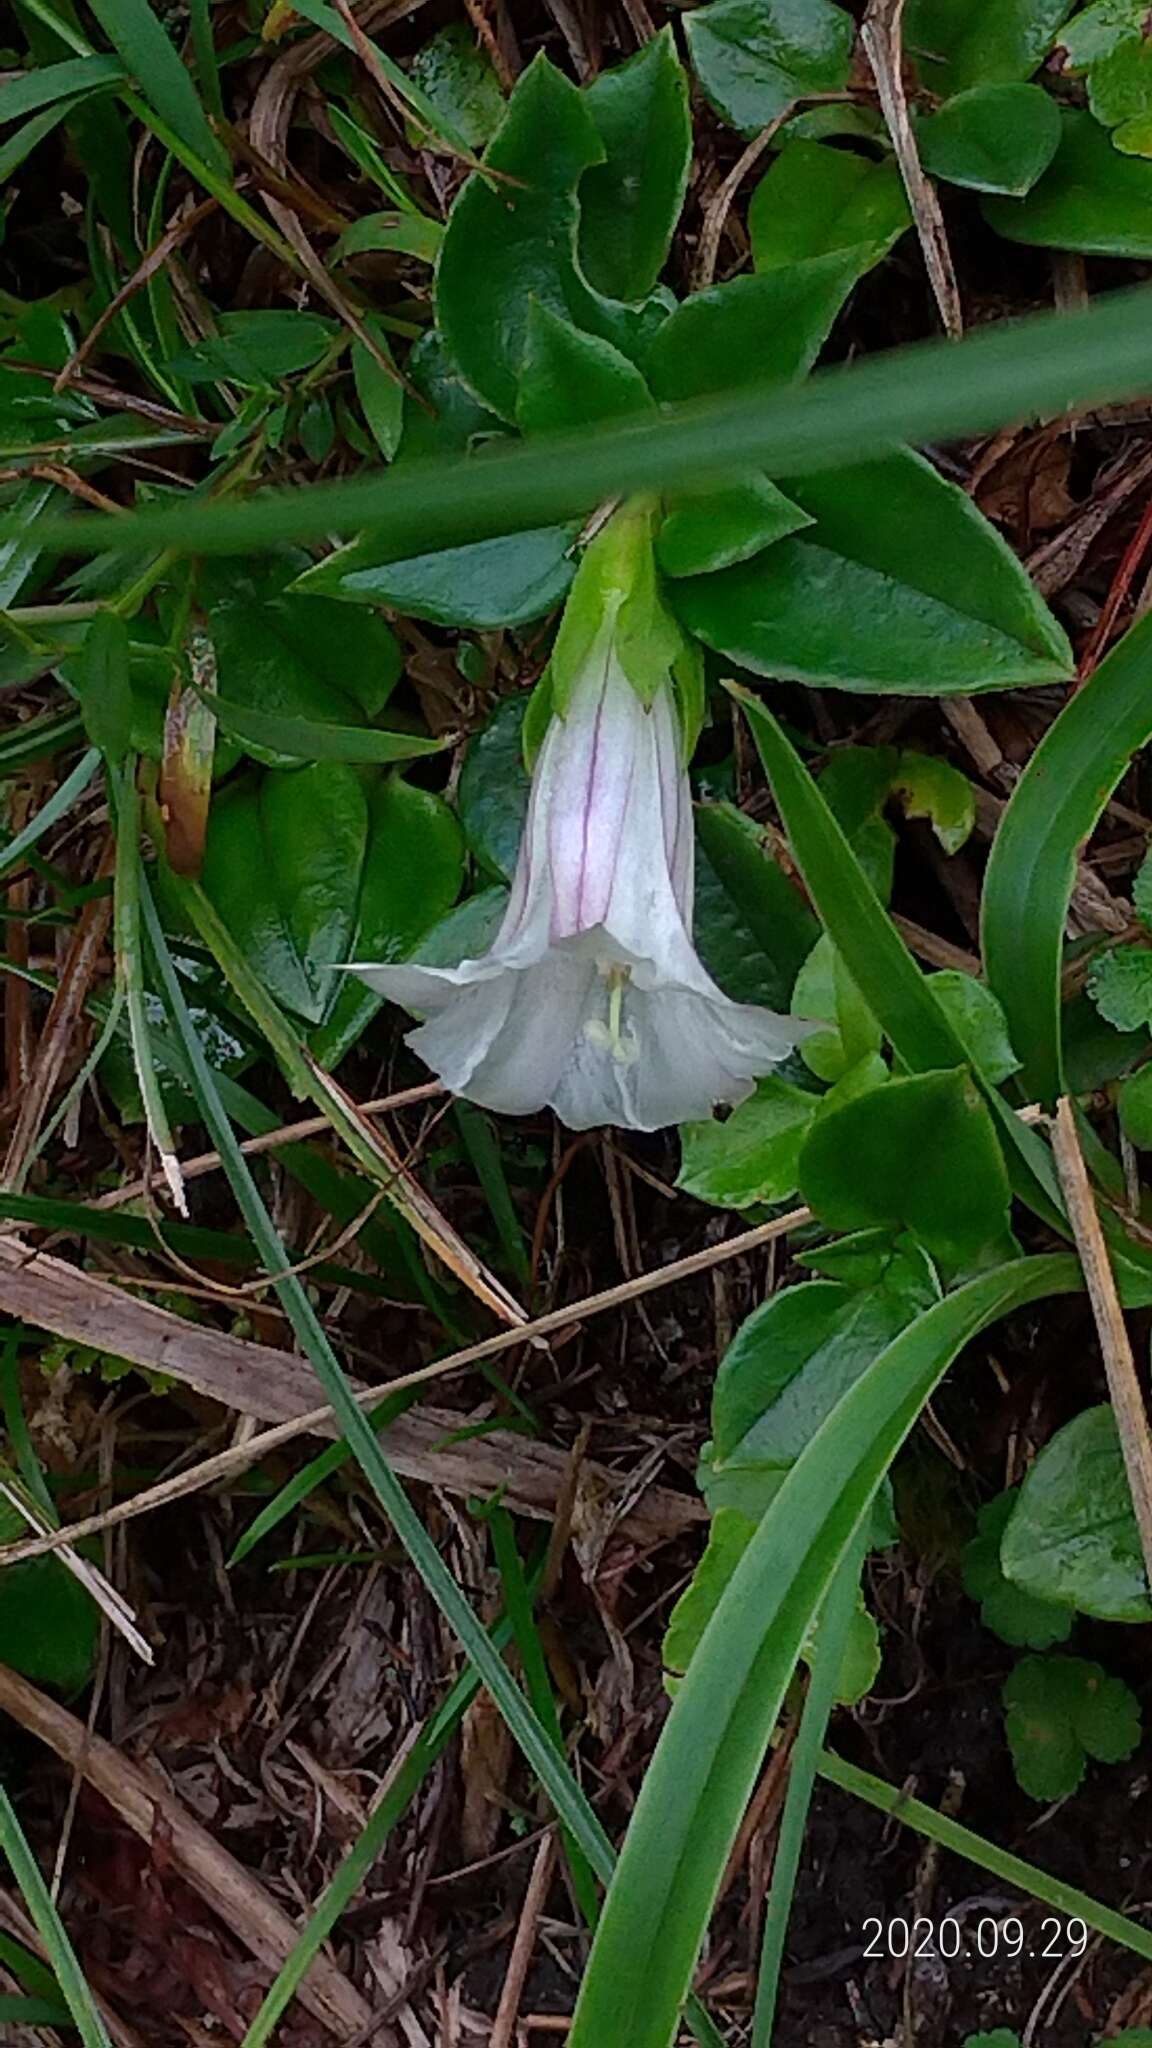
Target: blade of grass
296	1490
938	1827
49	814
49	1926
831	1641
519	1602
52	82
934	390
358	1432
149	56
130	975
1031	872
713	1744
573	1809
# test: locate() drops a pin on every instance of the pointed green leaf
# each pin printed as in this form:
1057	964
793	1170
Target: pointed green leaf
630	203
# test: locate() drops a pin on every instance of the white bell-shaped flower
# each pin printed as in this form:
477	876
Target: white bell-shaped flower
592	997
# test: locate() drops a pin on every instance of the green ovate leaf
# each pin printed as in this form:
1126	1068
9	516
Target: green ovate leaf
1061	1711
754	57
815	201
49	1622
571	379
284	656
961	43
753	928
754	1156
979	1023
900	585
313	868
490	583
514	240
381	396
630	203
1120	985
493	793
457	78
100	677
1135	1107
767	329
825	992
728	1539
1091	199
1072	1536
1017	1617
790	1363
711	529
256	349
407	234
993	138
920	1153
1110	42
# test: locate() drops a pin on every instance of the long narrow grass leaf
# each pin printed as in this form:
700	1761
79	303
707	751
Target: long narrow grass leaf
1030	876
58	806
1013	371
939	1827
49	1926
713	1744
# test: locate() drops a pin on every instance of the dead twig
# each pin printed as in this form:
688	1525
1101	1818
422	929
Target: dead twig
144	1802
503	2026
1116	1350
882	38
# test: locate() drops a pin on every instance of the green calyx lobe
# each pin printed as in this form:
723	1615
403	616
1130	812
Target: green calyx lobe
616	609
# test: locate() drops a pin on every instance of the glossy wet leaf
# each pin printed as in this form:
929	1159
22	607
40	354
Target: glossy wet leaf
489	583
711	529
1092	199
815	200
900	585
630	203
754	1155
754	57
993	138
456	76
961	43
919	1153
753	927
493	794
1072	1536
